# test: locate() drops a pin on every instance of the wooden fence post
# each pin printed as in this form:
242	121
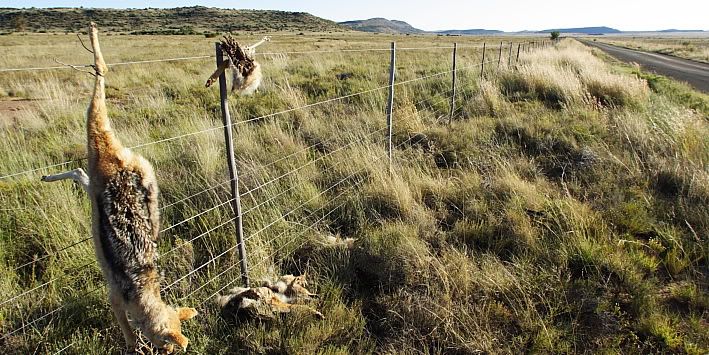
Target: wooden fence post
482	63
455	49
509	57
499	56
233	174
519	45
390	105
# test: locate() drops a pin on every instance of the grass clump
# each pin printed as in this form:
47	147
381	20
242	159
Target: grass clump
570	75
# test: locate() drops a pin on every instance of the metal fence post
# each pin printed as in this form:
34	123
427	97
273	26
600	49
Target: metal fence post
233	174
482	63
499	56
455	49
390	106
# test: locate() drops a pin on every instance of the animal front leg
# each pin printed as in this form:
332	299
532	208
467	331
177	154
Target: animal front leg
78	175
122	319
220	69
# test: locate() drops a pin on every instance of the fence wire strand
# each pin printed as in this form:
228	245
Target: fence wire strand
168	139
200	213
188	58
290	241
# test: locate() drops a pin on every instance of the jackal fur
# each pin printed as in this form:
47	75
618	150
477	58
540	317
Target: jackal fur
246	72
125	224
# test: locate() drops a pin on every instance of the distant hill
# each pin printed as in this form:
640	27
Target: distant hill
585	30
181	20
475	31
381	25
675	30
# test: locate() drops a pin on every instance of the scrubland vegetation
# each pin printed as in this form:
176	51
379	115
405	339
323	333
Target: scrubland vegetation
175	21
564	209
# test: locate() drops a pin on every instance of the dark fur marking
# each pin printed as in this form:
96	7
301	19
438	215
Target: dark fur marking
126	232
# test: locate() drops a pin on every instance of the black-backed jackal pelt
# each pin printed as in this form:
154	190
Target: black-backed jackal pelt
125	224
270	299
246	71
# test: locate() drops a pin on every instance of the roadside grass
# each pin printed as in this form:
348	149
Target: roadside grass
562	211
695	48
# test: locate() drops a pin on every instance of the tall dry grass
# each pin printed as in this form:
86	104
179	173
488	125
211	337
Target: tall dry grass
570	74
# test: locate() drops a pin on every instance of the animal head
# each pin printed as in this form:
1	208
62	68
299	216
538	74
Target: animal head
165	331
291	280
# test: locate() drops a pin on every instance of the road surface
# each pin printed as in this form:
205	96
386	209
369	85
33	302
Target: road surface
694	73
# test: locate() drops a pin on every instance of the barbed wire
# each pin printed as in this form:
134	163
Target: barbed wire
64	348
253	208
262	167
207	130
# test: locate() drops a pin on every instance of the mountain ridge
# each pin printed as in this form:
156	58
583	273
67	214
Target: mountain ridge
179	20
584	30
381	25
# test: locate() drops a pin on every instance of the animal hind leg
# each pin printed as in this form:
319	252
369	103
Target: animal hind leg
78	175
251	50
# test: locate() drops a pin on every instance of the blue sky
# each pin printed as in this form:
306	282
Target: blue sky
509	15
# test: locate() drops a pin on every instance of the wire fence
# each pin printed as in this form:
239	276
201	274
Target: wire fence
373	138
202	57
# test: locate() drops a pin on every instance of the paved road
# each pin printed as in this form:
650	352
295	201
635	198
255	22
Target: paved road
694	73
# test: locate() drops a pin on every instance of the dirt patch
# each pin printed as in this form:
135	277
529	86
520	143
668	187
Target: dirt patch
11	111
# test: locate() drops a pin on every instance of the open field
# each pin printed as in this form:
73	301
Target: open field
564	210
695	48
